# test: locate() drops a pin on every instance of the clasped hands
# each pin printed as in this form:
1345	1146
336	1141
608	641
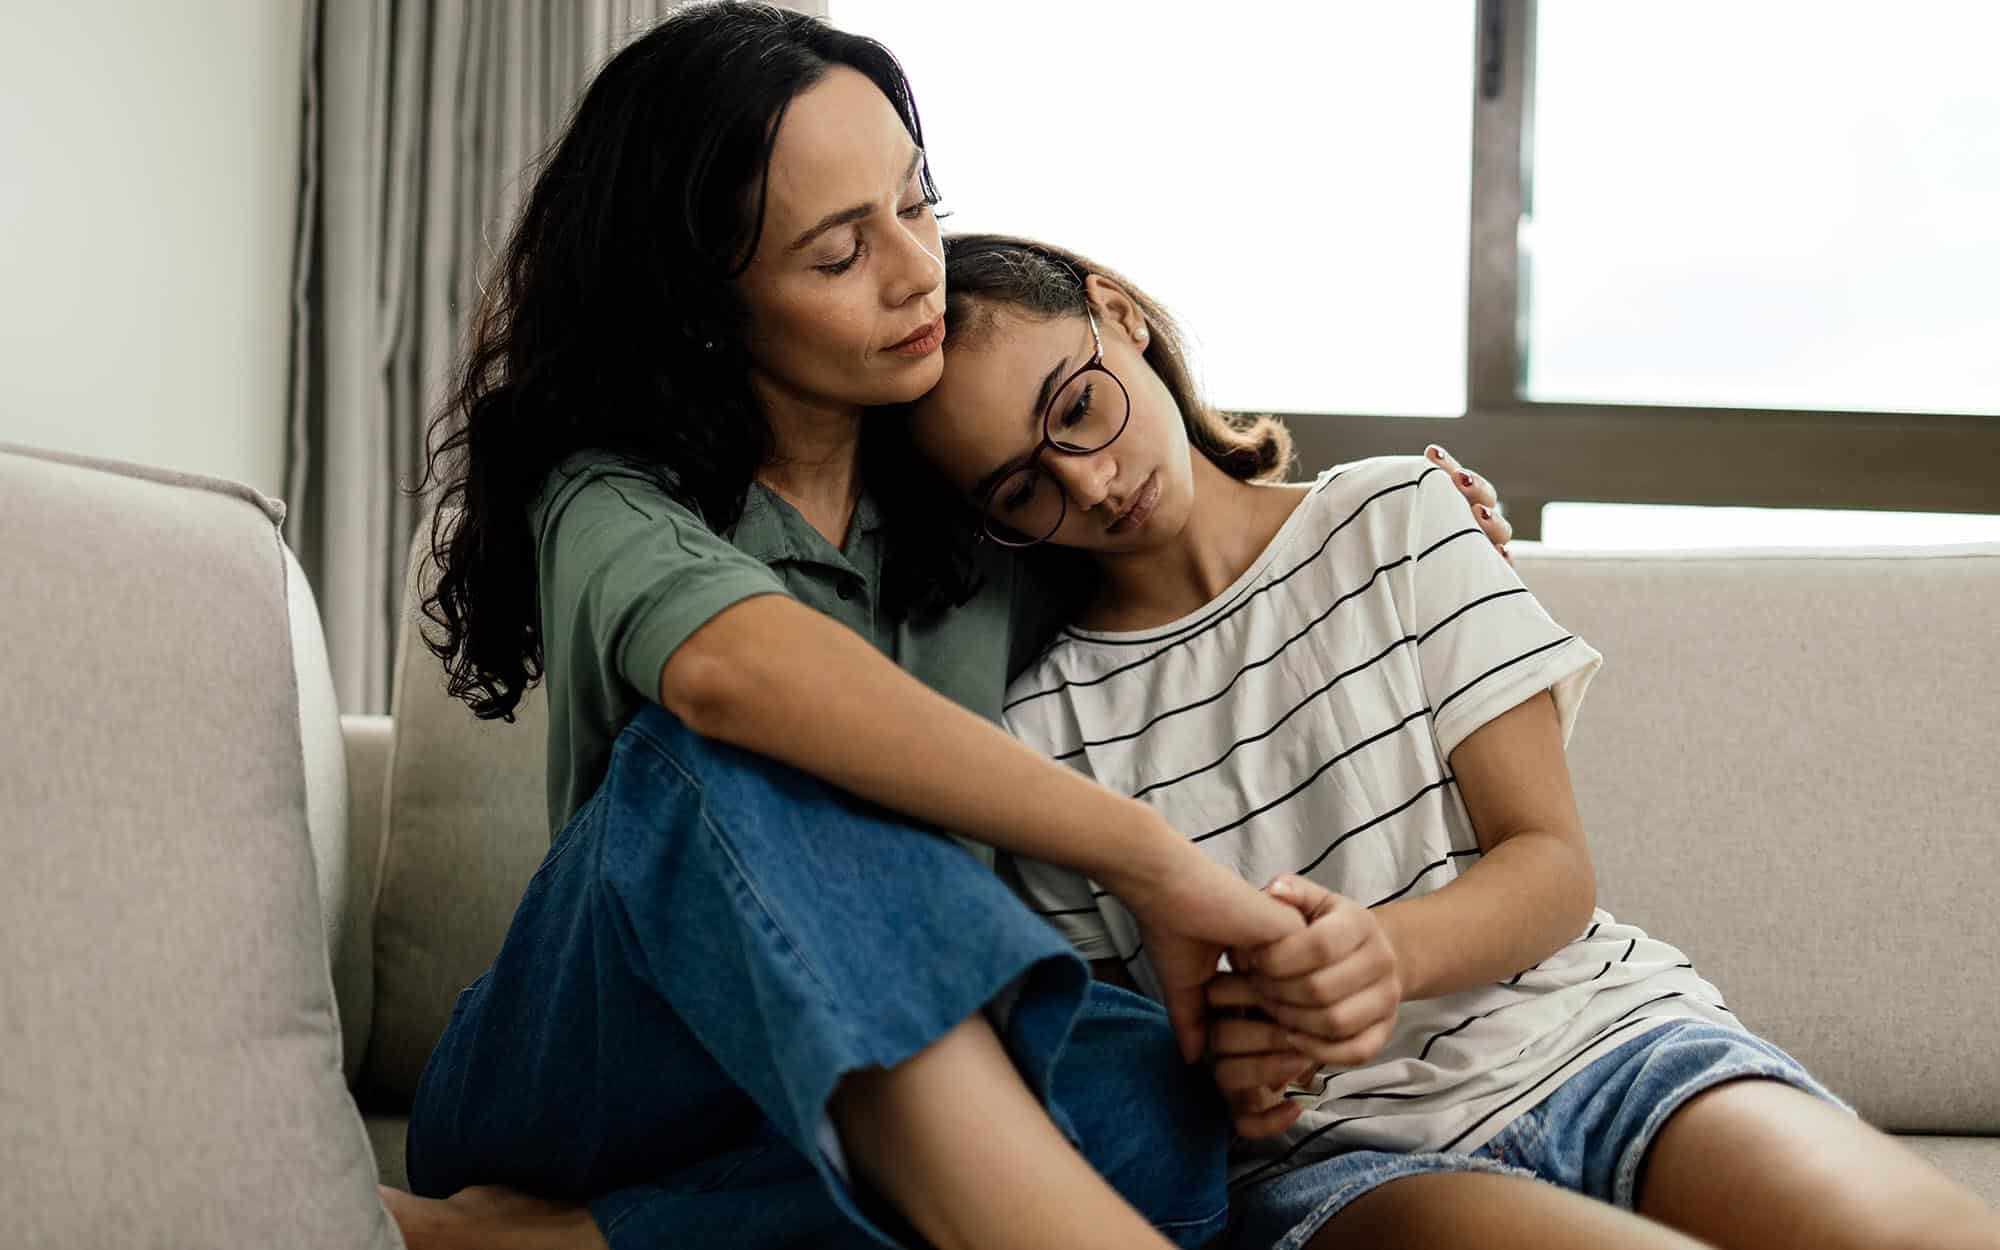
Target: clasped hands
1323	996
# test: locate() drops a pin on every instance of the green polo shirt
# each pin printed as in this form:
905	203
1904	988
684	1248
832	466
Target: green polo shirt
627	573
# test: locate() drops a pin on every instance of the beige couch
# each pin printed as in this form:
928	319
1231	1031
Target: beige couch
1787	766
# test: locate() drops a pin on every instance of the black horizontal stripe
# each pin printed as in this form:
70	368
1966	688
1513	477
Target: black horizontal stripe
1423	872
1593	931
1629	948
1313	776
1237	676
1221	614
1331	846
1601	971
1286	645
1477	1125
1467	606
1525	655
1066	911
1466	1023
1144	790
1649	1002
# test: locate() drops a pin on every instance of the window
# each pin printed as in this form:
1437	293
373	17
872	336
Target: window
1294	189
1637	526
1712	253
1763	205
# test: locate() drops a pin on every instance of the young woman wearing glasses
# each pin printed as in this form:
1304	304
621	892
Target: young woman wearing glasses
752	997
1339	688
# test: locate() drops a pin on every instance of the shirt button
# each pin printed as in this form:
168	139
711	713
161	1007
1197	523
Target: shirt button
845	590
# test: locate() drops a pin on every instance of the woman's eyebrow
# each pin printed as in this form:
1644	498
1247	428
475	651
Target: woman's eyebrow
855	213
985	484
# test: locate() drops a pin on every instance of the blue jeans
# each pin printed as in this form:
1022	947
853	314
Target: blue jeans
1590	1136
712	942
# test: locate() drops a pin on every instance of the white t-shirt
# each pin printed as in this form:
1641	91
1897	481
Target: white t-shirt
1303	722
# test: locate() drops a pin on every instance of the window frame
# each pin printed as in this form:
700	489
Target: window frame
1632	453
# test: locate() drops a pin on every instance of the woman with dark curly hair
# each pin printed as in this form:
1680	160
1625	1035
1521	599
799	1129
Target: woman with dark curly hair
753	996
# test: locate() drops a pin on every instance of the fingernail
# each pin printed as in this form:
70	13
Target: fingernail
1282	886
1434	451
1465	479
1485	513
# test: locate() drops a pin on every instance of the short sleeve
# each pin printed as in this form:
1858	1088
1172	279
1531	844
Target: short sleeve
1062	897
1484	643
632	572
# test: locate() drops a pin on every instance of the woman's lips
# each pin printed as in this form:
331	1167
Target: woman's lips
1142	507
923	342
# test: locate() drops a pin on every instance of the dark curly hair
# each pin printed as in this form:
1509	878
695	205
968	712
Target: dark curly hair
614	321
987	272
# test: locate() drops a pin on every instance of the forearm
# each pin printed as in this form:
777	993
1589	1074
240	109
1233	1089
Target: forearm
1521	902
777	678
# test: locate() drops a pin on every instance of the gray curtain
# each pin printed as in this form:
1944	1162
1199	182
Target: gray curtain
421	122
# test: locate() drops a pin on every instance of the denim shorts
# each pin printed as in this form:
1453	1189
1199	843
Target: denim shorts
1590	1136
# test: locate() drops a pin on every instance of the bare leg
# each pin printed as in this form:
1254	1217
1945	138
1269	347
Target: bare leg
1756	1163
956	1141
490	1217
951	1137
1455	1210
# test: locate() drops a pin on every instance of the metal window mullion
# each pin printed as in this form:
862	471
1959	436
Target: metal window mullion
1501	93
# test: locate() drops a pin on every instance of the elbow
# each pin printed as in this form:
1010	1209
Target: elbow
1585	887
698	687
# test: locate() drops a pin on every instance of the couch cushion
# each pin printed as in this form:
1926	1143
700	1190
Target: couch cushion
171	1069
466	827
1787	769
343	864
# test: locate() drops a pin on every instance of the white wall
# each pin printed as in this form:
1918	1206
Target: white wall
148	175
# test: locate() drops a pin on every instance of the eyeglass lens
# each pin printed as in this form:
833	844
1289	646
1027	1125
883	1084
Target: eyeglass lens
1085	416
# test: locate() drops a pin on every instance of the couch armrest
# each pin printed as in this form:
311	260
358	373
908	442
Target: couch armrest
367	740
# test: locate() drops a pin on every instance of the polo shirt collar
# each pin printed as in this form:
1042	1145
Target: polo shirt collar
771	529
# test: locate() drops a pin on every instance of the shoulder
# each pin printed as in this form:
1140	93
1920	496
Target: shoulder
594	482
1391	505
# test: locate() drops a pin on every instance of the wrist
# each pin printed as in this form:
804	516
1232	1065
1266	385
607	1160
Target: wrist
1141	853
1395	920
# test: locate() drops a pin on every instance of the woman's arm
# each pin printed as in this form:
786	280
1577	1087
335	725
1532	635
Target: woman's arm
772	676
775	677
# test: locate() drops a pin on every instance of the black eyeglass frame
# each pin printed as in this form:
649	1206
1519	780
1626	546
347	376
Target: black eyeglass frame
1050	442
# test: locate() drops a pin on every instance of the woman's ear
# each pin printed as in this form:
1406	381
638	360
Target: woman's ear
1115	309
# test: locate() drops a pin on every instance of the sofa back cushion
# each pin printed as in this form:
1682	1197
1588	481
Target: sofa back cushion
1787	767
465	828
172	1060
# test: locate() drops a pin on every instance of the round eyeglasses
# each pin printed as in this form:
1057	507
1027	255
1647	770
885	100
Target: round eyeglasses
1085	414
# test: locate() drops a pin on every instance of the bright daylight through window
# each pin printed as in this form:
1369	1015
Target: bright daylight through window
1300	202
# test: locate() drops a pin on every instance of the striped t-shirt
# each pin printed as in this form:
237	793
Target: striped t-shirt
1303	722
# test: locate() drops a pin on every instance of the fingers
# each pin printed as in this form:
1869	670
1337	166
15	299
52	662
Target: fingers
1240	1035
1336	927
1256	1082
1270	1123
1187	1011
1350	1052
1479	495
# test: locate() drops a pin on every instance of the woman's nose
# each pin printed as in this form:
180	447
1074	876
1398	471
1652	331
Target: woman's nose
916	270
1086	479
